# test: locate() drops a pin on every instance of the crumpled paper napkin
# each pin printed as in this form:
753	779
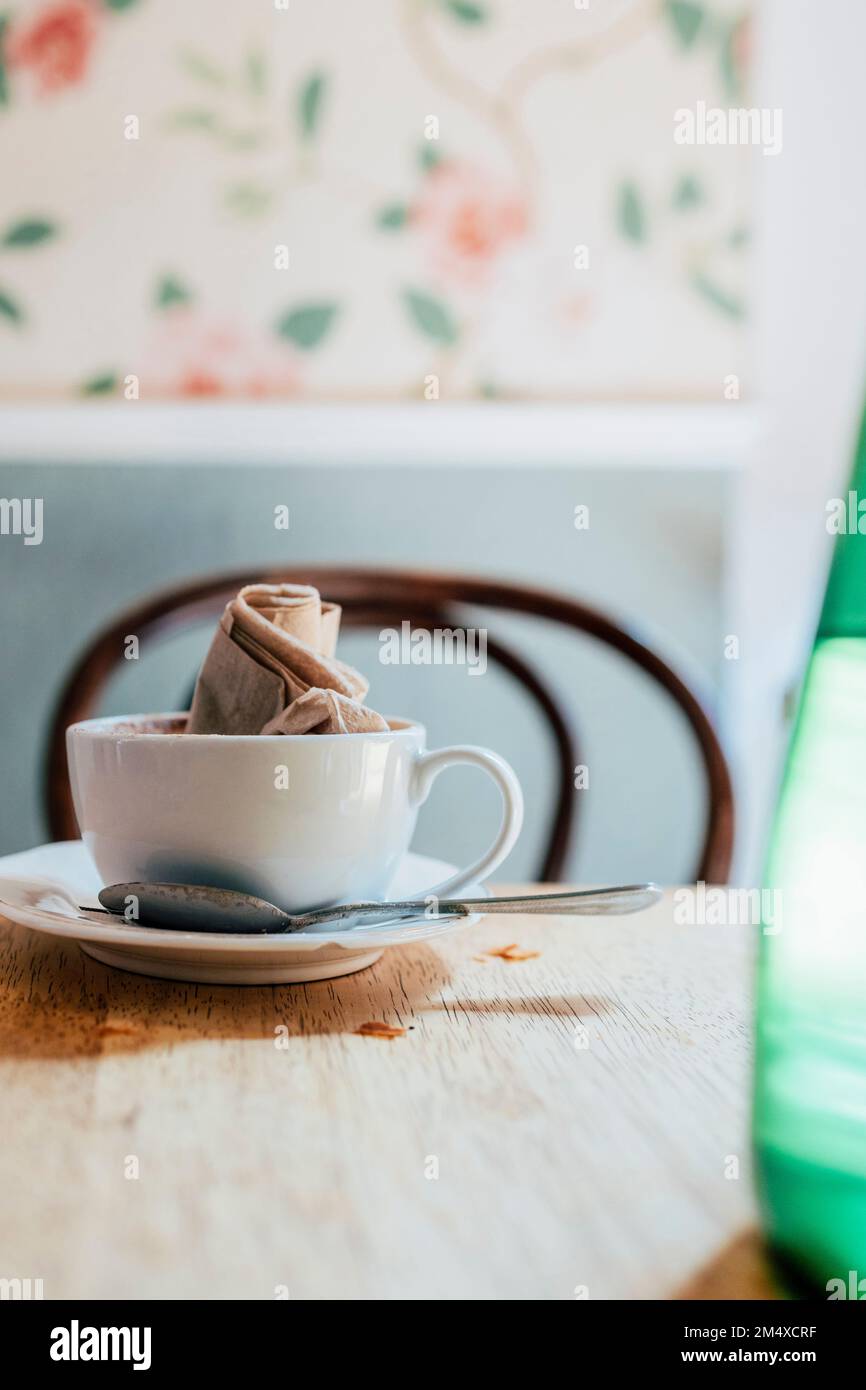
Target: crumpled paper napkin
271	669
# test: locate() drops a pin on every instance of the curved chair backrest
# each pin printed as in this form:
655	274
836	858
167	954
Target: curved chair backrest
385	598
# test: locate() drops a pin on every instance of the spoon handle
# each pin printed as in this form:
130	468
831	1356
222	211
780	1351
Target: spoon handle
595	902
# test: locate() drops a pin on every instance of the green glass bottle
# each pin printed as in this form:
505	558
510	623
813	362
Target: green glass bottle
810	1084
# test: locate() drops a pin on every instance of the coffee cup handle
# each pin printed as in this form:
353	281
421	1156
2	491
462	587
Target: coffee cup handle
427	768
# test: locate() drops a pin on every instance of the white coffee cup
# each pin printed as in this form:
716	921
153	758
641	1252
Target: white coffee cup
301	820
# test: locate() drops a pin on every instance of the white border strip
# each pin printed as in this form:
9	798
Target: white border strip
489	434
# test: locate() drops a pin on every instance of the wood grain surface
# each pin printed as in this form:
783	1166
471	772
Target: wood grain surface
548	1128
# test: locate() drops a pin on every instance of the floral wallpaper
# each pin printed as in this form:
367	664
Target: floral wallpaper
326	200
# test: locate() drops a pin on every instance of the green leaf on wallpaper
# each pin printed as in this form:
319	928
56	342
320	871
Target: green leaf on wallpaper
101	385
393	217
310	104
193	118
170	291
120	4
255	73
432	317
241	139
728	59
199	66
739	238
248	199
4	85
307	325
688	193
631	215
720	298
29	231
429	157
466	11
687	19
9	309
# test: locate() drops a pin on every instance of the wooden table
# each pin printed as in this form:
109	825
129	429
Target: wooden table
556	1127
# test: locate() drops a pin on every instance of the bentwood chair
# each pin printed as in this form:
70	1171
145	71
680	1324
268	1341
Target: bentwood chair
385	598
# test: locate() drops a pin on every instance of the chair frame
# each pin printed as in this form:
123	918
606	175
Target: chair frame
383	598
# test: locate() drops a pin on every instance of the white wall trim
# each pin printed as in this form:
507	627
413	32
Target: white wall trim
656	436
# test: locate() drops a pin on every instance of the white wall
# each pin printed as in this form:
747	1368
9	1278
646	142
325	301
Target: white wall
810	367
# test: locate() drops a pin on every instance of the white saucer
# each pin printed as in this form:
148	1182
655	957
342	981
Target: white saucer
43	888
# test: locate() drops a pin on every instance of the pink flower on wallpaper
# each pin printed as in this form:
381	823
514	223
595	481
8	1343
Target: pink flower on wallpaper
193	357
469	219
54	47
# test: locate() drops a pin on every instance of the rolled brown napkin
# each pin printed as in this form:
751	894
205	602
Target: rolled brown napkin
271	669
